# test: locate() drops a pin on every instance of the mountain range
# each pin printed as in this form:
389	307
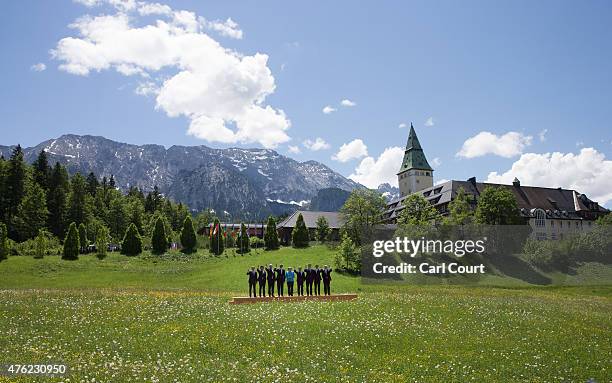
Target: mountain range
240	183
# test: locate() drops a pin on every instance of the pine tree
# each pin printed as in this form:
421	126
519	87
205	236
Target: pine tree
188	236
57	200
216	238
271	236
118	217
4	248
40	245
79	208
111	182
71	243
92	184
243	245
299	236
32	212
42	170
159	240
132	242
102	240
322	229
83	238
15	186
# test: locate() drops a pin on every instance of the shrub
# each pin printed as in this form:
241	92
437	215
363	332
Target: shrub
40	244
299	236
271	236
257	242
159	240
322	229
347	256
132	243
71	243
83	238
188	236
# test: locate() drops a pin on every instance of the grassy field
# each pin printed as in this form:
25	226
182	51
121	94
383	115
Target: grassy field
151	319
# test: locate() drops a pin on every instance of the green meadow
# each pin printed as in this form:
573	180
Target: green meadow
167	319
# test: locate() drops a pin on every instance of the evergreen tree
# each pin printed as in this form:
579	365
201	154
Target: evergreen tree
32	212
3	186
243	245
71	243
159	240
4	248
216	238
79	208
83	238
181	212
42	170
136	212
102	240
132	242
92	184
149	205
271	236
118	218
188	236
40	244
15	186
299	236
497	206
111	182
57	200
322	229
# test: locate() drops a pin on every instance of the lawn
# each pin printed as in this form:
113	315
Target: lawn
148	319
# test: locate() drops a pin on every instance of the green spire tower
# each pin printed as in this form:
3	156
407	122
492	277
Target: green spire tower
415	174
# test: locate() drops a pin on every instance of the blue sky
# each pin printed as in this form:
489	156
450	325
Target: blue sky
507	84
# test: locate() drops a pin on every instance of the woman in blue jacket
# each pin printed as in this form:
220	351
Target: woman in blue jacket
290	277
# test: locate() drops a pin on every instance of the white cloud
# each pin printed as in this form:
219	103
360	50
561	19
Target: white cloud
579	143
372	172
429	122
542	135
441	181
39	67
352	150
147	88
221	92
586	172
316	145
294	149
228	28
347	102
402	125
508	145
146	9
436	162
328	109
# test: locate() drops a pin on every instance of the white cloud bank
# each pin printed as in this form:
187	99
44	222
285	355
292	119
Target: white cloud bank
316	145
372	172
586	172
221	91
352	150
508	145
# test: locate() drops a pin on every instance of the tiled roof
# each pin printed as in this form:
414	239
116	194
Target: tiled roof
310	219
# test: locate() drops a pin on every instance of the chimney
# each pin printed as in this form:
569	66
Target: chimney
516	182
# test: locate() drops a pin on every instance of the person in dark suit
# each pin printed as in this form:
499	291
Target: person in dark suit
300	276
317	280
270	277
326	275
252	281
261	277
280	280
309	279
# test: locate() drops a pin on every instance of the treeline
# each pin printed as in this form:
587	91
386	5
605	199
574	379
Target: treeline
41	198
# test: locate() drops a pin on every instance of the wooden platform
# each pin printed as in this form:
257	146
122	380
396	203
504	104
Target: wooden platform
295	298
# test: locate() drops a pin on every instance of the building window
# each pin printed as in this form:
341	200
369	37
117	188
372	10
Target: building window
540	218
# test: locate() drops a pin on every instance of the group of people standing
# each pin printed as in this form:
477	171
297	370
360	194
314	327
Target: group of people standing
311	276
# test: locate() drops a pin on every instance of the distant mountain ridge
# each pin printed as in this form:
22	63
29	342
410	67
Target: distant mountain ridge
244	183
